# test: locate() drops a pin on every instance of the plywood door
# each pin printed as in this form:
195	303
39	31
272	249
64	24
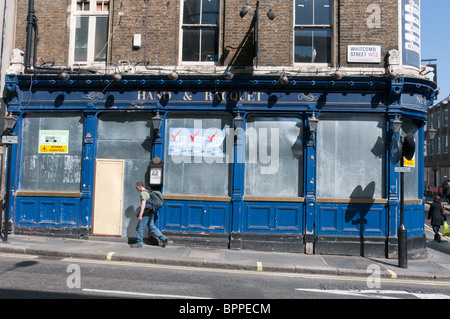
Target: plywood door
108	197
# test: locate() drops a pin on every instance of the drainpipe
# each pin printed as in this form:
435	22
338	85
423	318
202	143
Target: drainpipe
32	24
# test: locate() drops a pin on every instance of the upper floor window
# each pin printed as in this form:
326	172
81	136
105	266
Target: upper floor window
313	31
445	144
437	118
200	31
437	145
89	32
430	120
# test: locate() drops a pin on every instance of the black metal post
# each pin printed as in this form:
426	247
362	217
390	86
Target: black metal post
402	232
8	182
256	34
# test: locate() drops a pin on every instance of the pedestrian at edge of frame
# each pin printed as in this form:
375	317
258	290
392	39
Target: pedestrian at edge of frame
437	216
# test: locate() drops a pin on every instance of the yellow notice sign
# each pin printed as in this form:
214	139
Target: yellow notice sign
52	149
54	141
409	163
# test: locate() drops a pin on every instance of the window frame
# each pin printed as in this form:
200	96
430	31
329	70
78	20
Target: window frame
437	145
188	161
200	27
444	117
31	126
92	14
261	117
320	184
313	26
445	144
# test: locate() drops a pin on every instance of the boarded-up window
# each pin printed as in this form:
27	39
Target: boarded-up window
51	152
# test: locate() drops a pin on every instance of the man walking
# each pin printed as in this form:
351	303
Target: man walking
437	216
146	218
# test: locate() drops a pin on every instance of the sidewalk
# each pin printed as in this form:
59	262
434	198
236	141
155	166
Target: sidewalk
435	267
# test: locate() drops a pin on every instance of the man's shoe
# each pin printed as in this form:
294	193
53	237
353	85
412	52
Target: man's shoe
136	246
164	242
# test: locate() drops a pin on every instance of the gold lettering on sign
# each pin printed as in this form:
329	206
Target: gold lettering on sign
164	95
421	100
187	96
153	96
144	95
234	96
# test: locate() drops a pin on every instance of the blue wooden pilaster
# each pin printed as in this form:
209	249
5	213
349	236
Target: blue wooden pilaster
14	163
310	189
421	162
238	172
393	183
87	173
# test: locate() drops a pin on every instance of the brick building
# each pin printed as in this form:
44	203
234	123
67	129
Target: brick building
238	86
437	160
160	27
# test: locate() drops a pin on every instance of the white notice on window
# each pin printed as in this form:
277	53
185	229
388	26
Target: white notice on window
53	141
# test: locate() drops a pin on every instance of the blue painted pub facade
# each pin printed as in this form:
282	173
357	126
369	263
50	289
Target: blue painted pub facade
271	184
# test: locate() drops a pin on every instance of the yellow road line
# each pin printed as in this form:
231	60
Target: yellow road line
109	256
393	274
259	266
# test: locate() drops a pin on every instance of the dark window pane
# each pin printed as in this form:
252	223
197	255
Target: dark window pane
210	45
322	12
304	12
303	46
191	45
322	45
313	45
210	12
191	12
